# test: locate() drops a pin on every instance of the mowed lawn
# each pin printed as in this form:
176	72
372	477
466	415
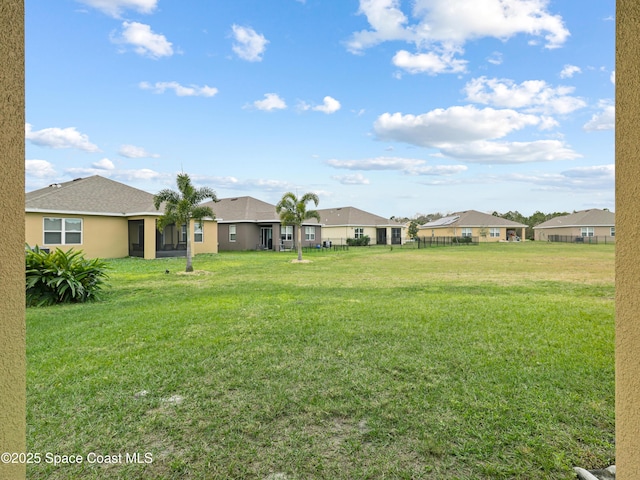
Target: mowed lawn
486	362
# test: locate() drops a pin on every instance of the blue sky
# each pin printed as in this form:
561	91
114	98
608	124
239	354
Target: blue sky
396	107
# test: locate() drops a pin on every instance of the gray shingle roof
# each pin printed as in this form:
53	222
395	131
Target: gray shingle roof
353	216
243	209
584	218
91	195
471	218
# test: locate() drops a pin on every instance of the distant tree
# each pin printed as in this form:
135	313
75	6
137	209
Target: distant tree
413	229
182	206
293	211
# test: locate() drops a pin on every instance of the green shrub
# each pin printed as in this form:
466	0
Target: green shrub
62	277
358	242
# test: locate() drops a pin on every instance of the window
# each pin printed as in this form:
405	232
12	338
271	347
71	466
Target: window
183	233
613	231
198	234
62	231
309	233
286	232
494	232
587	231
232	233
358	232
466	232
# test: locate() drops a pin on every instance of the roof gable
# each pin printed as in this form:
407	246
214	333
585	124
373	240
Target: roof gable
91	195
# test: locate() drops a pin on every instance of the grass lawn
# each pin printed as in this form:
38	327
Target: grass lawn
486	362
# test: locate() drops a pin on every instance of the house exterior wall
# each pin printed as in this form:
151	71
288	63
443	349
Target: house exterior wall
482	233
209	242
247	236
104	237
542	234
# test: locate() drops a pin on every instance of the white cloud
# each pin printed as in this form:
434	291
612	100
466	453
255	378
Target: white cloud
272	101
144	41
355	179
603	120
123	175
613	77
495	58
409	166
569	71
39	169
452	125
329	105
534	95
104	164
180	90
60	138
597	177
430	62
249	45
114	8
131	151
494	153
440	28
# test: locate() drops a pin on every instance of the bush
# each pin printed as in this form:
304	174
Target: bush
358	242
62	277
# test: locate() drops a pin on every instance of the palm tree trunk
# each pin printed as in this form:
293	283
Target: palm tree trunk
189	265
299	243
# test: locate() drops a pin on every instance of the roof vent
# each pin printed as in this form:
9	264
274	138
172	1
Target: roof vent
55	185
76	179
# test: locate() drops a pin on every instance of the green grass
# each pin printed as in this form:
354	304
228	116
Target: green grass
488	362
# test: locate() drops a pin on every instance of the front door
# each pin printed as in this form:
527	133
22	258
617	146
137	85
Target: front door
266	238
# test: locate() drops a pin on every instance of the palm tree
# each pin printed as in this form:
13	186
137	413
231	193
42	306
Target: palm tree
293	211
183	206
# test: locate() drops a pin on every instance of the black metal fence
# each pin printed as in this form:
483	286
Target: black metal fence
605	239
424	242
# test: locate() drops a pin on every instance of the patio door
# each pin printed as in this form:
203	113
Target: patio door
381	236
266	238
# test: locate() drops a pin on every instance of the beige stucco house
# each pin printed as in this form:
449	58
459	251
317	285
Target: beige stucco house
473	224
340	224
246	223
578	227
107	219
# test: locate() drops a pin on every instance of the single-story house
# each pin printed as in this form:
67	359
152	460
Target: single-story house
340	224
108	219
577	226
474	224
246	223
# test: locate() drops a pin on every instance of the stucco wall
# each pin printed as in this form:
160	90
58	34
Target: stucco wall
104	237
627	244
475	232
12	309
209	242
542	234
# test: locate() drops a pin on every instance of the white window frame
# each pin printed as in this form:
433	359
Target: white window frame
232	233
64	231
613	231
494	232
467	232
286	233
358	232
198	231
587	231
310	234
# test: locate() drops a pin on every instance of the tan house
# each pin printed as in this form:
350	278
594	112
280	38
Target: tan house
482	227
340	224
108	219
246	223
585	225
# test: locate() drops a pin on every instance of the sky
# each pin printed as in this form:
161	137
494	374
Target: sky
396	107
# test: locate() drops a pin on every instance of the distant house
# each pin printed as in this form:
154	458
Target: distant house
578	226
246	223
474	224
340	224
107	219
